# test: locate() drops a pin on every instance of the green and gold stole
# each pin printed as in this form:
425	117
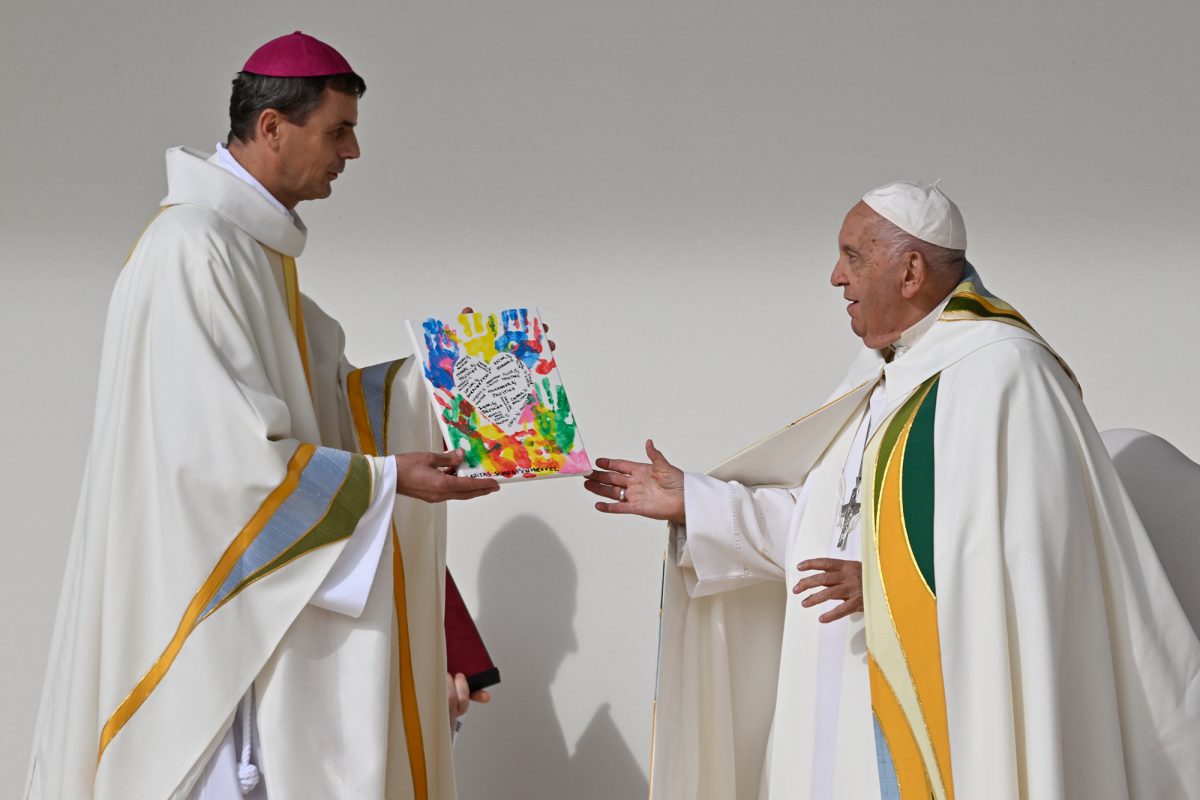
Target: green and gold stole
904	656
908	696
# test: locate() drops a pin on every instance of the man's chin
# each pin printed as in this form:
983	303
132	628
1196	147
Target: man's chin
878	342
320	194
872	341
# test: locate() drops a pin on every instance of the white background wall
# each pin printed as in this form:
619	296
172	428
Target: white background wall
666	180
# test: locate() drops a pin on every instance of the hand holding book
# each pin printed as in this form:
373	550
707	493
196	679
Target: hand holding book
430	477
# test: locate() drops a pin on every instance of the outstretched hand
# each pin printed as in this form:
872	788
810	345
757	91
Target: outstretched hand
653	490
842	580
430	477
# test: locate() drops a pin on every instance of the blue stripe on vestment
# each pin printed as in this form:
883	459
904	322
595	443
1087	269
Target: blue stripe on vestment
889	786
319	483
374	387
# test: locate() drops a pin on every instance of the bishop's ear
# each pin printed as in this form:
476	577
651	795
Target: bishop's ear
269	128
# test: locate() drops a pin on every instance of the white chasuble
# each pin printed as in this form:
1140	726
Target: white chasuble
723	640
1021	637
234	453
822	734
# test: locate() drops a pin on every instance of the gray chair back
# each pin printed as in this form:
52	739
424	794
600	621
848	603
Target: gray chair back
1164	486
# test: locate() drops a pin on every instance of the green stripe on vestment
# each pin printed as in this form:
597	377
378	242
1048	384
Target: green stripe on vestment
917	490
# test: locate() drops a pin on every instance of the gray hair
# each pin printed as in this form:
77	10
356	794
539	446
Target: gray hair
945	262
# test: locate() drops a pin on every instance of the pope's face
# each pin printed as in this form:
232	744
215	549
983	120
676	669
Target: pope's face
312	155
870	277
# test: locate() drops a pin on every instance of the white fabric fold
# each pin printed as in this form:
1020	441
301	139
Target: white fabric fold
194	178
351	577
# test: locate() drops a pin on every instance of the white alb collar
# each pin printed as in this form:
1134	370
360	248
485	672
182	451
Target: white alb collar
913	334
227	162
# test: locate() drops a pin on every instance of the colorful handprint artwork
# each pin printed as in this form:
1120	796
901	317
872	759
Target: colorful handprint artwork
498	396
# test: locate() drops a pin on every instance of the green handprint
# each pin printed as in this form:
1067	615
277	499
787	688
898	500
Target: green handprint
552	416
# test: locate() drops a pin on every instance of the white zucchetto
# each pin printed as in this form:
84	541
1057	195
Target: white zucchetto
920	209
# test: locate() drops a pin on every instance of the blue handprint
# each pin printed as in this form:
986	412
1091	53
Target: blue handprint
443	352
520	337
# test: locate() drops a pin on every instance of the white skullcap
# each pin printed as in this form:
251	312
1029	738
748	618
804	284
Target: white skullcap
920	209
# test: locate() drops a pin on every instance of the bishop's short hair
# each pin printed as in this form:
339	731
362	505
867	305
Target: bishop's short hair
295	98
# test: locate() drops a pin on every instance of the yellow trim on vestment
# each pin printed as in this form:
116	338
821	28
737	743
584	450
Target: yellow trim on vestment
834	401
902	746
902	635
410	712
913	611
408	687
993	304
191	617
789	426
283	559
296	313
358	412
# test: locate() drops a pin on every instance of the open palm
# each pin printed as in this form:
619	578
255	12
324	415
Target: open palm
653	490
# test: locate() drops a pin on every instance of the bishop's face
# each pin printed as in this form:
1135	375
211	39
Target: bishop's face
870	277
312	155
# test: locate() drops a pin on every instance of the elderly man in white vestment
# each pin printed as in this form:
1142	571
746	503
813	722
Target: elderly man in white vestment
253	597
984	617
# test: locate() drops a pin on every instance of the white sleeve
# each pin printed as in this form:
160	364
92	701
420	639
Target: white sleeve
348	583
735	535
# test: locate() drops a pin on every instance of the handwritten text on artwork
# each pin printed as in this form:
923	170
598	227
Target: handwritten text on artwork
501	389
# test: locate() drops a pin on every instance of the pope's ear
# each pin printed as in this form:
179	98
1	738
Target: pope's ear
916	273
269	128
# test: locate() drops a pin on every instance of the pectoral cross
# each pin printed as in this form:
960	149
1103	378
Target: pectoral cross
850	510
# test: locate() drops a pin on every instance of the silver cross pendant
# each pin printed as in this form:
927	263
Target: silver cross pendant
850	510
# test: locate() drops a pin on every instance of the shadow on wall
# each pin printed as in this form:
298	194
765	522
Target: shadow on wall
514	747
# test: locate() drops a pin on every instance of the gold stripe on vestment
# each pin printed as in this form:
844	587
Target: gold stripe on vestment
907	658
408	686
296	313
410	712
282	560
911	777
358	412
191	617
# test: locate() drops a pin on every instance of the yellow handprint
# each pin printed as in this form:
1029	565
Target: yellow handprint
479	335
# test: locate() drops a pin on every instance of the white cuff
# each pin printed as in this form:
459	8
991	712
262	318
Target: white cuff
349	581
711	543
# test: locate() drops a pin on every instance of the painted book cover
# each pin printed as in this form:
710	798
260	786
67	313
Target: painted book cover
495	387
